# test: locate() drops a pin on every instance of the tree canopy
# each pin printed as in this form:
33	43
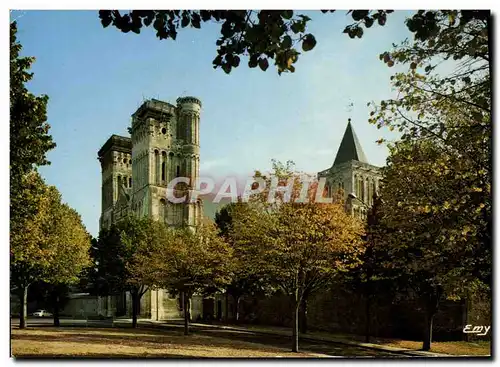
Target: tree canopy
437	183
126	258
29	137
261	36
297	246
51	246
281	36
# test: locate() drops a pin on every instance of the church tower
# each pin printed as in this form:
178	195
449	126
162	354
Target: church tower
136	172
115	157
165	145
352	174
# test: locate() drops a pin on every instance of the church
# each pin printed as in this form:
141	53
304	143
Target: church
351	173
164	143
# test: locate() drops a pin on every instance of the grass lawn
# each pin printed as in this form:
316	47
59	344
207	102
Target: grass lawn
479	348
125	342
476	348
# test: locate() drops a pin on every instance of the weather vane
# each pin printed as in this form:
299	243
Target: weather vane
349	108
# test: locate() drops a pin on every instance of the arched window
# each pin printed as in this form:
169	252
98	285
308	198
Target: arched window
178	172
130	182
125	181
366	187
361	189
157	167
163	166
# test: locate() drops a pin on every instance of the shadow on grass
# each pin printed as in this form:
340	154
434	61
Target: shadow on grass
103	356
158	339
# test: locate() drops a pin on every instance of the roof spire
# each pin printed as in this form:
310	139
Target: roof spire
350	147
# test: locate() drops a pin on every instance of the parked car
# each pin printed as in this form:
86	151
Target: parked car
42	313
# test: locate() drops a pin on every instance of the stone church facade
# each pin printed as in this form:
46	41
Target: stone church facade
352	174
164	143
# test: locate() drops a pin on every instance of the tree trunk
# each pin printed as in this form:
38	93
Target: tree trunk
464	304
23	312
226	311
57	323
428	331
431	310
368	318
186	314
295	326
303	316
238	298
135	308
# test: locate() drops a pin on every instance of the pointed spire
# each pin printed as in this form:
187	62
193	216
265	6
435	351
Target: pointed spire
350	147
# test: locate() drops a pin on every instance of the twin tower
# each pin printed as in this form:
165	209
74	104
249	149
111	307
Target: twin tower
164	144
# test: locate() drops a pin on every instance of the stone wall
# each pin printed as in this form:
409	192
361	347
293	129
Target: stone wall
81	307
338	310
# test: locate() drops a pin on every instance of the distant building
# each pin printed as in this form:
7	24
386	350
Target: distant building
164	144
352	174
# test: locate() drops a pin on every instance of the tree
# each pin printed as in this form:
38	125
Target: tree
71	246
126	258
244	280
193	262
301	246
365	277
30	250
434	249
262	36
51	246
439	174
29	138
48	296
29	196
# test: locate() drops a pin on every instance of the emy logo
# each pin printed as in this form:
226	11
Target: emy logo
479	330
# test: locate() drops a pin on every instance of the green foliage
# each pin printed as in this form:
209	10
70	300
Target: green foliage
71	246
435	224
261	36
195	260
137	254
125	254
29	143
441	169
437	182
245	279
224	219
29	138
299	246
51	245
295	247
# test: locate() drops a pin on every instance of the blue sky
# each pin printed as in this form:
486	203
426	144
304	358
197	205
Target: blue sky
96	78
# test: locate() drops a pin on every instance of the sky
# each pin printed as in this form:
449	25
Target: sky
96	78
